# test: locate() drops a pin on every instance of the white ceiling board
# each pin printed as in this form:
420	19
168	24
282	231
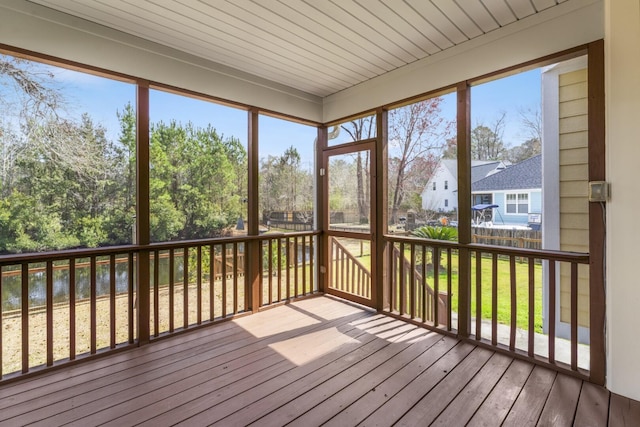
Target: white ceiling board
522	8
543	4
458	17
319	47
500	11
418	22
429	12
479	14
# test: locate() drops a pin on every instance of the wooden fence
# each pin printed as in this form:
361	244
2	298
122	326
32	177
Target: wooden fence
514	238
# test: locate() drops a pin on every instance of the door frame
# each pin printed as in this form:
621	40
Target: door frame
350	148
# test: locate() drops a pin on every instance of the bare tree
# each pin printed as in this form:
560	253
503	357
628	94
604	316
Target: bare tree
360	129
531	120
416	131
486	140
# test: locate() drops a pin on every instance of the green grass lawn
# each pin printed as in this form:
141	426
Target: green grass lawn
503	311
504	289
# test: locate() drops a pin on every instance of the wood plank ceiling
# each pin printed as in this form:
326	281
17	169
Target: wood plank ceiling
317	46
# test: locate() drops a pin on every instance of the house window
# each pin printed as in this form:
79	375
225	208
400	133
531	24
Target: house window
446	201
446	185
434	186
518	203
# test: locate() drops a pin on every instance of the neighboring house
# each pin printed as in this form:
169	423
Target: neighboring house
516	190
441	192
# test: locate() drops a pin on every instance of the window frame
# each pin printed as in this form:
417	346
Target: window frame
517	203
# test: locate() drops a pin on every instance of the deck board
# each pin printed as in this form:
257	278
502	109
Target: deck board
561	405
624	411
316	361
464	406
593	406
527	408
436	401
499	402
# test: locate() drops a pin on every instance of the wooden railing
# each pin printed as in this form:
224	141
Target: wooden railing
58	306
524	299
65	305
410	291
346	273
288	267
504	298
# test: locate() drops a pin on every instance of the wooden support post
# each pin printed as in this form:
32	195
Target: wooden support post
253	247
379	270
321	211
597	218
464	208
142	211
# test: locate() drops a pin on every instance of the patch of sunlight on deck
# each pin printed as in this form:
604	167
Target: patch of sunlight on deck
284	319
309	347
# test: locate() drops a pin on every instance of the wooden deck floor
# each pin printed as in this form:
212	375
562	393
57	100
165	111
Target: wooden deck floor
318	361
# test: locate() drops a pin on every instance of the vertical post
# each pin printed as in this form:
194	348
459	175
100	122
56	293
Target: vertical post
597	231
464	208
380	297
321	203
253	246
142	210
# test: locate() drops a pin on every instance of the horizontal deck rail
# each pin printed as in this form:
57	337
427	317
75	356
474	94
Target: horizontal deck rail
60	306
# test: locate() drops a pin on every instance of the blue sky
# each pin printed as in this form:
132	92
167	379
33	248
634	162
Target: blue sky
101	98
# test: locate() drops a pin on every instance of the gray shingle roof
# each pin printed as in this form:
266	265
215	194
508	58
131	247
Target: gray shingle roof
479	168
524	175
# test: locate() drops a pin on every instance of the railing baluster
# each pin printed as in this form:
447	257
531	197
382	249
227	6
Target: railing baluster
424	284
494	299
130	301
574	316
412	281
295	266
112	300
185	287
478	295
312	241
391	281
552	311
93	304
199	282
270	269
340	268
436	285
49	274
25	316
512	276
449	290
156	293
212	278
288	268
223	255
403	280
304	266
236	294
531	306
279	268
172	278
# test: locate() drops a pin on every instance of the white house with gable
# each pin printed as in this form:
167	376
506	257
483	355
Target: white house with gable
441	192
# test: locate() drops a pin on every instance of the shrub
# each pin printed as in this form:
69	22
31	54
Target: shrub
436	233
